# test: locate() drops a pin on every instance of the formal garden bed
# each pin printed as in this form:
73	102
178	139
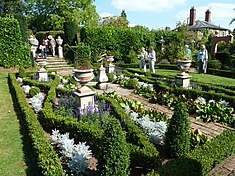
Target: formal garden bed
144	129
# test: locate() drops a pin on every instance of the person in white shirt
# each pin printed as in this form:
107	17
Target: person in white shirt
143	58
202	58
152	59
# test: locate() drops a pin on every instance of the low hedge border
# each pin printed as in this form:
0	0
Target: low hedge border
203	158
224	73
190	93
146	155
143	153
48	161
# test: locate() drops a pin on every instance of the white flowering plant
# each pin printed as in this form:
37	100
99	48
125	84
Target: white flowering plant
213	111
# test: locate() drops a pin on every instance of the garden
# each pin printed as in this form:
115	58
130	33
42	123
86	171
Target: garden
139	124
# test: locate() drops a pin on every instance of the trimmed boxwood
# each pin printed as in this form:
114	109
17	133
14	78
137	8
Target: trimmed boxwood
203	158
47	160
34	91
114	155
177	140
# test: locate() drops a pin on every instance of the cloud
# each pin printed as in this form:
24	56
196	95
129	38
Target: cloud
106	14
219	12
146	5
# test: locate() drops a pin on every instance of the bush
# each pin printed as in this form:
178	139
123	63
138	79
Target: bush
47	160
34	91
13	51
114	155
214	64
177	135
132	57
70	33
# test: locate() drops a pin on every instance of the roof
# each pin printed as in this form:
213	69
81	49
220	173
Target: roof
205	25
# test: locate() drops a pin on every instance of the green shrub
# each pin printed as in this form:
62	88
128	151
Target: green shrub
132	57
70	32
22	73
13	51
177	135
203	158
47	160
214	64
34	91
114	156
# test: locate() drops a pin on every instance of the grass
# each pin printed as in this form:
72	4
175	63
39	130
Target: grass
203	78
12	160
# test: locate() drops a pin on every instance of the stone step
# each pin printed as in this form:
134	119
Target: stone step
57	63
60	68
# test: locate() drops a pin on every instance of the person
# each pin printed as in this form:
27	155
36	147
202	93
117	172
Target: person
202	58
42	47
52	45
188	52
47	44
143	58
152	59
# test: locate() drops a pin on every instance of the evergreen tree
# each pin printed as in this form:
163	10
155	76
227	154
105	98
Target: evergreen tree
177	141
114	155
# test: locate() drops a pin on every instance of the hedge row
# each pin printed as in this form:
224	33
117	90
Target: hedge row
48	161
203	158
13	51
190	93
143	153
224	73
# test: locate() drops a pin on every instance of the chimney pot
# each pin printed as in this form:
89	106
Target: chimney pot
192	16
208	16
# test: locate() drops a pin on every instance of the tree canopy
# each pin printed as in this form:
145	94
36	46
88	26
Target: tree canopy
51	14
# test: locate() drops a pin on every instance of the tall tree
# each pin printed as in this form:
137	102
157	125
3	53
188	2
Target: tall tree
119	21
51	14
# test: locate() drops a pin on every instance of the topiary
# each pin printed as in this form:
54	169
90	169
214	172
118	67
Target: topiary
34	91
215	64
22	73
114	156
177	141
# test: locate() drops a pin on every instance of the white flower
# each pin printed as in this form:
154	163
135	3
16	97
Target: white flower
224	103
136	74
19	80
134	116
64	81
211	101
127	109
26	89
61	86
202	100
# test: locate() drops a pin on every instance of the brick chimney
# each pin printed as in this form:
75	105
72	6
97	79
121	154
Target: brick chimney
192	16
208	16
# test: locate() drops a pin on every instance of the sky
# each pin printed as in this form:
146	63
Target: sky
158	14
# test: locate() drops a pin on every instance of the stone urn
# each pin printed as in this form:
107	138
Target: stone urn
111	67
59	41
83	76
184	66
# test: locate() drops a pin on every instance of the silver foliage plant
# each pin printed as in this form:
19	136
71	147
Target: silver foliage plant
77	154
37	102
155	130
26	88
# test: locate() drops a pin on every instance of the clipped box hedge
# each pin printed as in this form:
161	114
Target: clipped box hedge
47	160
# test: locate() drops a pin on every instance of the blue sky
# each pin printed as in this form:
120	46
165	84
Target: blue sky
161	13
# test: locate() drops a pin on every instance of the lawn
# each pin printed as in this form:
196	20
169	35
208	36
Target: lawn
12	161
203	78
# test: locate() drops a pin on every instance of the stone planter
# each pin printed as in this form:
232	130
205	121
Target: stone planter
83	76
184	66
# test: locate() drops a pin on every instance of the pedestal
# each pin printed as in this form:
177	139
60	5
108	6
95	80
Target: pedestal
60	51
183	81
33	51
42	75
111	68
85	98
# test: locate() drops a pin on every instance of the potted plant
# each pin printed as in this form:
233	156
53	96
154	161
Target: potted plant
184	62
83	72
